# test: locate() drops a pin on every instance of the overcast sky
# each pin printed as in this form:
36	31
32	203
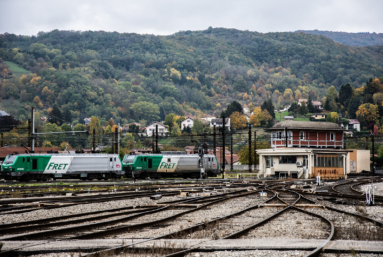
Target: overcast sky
164	17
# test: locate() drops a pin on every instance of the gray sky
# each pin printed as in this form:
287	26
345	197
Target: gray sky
164	17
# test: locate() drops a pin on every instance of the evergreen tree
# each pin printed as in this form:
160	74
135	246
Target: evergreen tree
233	107
67	116
310	106
303	109
55	116
268	106
345	93
294	107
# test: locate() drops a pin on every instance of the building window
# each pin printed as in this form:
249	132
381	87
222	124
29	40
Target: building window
333	161
287	159
301	135
332	136
279	135
269	161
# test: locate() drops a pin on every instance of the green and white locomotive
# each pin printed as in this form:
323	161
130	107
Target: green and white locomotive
41	167
170	165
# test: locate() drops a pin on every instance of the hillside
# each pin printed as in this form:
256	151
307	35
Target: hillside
131	77
351	39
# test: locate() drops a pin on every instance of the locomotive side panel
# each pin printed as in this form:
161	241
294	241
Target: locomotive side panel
188	163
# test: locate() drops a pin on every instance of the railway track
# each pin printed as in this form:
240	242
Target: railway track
246	223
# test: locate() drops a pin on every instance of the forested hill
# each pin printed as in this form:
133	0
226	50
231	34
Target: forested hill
131	77
351	39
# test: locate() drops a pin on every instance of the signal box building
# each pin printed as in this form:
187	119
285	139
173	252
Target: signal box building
305	149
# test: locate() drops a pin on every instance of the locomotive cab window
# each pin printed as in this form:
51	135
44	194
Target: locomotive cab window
114	158
150	165
169	160
34	164
111	159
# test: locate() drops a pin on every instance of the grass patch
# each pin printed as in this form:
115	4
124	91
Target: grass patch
280	115
16	69
302	119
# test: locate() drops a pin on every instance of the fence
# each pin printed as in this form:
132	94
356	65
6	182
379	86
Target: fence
241	167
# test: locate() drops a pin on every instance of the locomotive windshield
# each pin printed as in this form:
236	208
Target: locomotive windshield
129	159
10	159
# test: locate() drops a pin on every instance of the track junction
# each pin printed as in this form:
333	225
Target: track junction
195	218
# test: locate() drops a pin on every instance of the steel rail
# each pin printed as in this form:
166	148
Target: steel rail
56	232
169	235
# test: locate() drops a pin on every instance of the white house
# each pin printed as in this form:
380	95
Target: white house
151	129
188	122
353	124
218	123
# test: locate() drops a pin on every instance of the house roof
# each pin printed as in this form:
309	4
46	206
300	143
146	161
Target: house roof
4	151
305	125
156	122
188	117
289	117
3	113
220	120
353	121
317	103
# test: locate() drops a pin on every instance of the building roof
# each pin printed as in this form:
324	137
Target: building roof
219	120
289	117
156	122
305	125
188	117
353	121
4	151
317	103
3	113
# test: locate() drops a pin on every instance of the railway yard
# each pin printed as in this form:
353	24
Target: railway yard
211	217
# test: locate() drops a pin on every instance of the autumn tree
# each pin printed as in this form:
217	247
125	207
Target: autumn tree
176	131
244	152
38	102
238	120
257	117
332	117
55	116
368	113
110	123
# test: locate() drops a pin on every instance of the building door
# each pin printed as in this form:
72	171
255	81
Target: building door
353	166
305	161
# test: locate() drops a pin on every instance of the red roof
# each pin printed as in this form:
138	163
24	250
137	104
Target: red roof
4	151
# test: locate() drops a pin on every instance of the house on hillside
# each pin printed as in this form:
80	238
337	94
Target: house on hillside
187	122
288	117
306	149
87	121
353	124
219	123
319	116
151	129
317	105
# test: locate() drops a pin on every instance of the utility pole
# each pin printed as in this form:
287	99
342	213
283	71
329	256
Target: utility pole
29	132
223	146
153	142
33	130
157	138
116	141
205	142
373	153
255	150
286	137
250	159
2	139
231	151
214	145
94	140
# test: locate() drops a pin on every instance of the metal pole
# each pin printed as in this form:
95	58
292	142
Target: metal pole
214	143
205	142
373	154
118	139
2	140
255	150
94	140
286	136
250	159
33	131
29	132
115	141
223	146
157	139
153	142
366	143
231	151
